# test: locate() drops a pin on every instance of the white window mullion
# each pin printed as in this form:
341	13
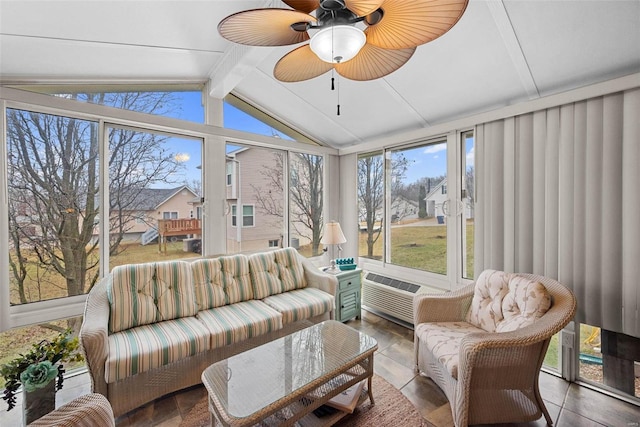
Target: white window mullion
104	212
453	215
5	319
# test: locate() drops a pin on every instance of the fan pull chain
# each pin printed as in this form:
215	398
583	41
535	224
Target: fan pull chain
338	84
333	87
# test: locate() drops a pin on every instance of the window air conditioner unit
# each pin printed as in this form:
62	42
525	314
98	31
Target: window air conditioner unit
390	297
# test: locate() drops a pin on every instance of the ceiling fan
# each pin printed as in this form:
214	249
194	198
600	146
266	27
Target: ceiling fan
392	31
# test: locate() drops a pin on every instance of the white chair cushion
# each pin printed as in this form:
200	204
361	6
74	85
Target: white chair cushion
525	302
443	340
486	306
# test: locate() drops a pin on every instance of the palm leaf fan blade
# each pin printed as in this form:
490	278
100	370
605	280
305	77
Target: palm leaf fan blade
265	27
412	23
306	6
374	62
363	7
300	64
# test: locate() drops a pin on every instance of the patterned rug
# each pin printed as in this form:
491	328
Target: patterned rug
392	409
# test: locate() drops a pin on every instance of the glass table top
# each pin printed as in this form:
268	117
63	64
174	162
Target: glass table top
250	381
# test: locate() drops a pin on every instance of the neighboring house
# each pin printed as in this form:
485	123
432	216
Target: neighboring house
255	204
436	198
402	208
249	227
146	206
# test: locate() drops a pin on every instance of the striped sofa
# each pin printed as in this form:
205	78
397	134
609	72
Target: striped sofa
151	329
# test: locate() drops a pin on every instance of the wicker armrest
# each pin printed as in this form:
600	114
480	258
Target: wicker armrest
90	410
94	335
445	307
318	279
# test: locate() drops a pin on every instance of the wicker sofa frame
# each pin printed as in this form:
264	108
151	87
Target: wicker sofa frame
497	372
134	391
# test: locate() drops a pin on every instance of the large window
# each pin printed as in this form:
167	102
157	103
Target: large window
416	208
260	187
157	177
255	191
53	167
417	205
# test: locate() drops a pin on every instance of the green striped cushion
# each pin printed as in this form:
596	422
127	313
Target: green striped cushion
276	272
301	304
236	278
264	275
239	321
290	269
207	279
140	294
146	347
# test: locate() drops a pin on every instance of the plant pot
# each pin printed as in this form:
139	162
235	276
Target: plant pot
39	402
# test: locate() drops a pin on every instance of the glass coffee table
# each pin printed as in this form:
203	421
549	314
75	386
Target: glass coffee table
284	381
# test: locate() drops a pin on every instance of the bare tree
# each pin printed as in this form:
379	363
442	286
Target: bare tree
371	197
469	180
371	192
305	194
54	186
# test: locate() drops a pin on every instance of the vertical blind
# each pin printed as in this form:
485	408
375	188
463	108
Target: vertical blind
558	194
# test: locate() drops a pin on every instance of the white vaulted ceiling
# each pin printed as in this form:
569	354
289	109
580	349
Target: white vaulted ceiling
500	53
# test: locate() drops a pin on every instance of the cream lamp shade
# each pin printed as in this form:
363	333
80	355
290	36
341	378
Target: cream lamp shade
332	234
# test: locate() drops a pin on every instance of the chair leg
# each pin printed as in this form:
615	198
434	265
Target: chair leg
542	406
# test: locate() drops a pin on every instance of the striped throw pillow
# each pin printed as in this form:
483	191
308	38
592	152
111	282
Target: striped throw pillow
207	279
264	275
290	269
141	294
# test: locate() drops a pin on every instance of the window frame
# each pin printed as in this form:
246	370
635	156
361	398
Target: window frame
234	214
252	216
453	279
213	201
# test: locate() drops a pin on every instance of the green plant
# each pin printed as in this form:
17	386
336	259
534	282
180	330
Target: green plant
31	370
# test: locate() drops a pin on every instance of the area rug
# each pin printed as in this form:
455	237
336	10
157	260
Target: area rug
392	409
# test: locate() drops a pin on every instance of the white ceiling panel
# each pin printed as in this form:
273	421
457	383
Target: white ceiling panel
42	59
468	69
500	53
574	43
190	25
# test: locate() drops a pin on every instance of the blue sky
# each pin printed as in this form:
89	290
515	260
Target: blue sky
233	118
431	160
425	161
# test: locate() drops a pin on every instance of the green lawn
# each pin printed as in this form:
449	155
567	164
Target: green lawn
420	247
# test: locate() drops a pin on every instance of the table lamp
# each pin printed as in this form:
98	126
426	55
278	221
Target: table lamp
333	236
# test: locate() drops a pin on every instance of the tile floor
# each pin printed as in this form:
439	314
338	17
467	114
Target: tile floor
569	404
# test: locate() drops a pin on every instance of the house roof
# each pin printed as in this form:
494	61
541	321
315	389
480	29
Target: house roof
149	199
500	53
436	188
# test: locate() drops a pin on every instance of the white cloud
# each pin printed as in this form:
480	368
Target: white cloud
182	157
436	148
471	156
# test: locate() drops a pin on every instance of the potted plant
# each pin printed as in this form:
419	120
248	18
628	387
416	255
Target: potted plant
40	371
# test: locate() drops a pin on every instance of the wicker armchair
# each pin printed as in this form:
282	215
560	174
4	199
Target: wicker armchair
495	377
90	410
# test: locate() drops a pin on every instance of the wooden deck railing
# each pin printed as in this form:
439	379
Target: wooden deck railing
176	227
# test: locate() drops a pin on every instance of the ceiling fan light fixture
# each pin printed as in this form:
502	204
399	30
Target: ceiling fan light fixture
338	43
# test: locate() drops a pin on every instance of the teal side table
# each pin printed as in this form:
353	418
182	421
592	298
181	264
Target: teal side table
349	295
